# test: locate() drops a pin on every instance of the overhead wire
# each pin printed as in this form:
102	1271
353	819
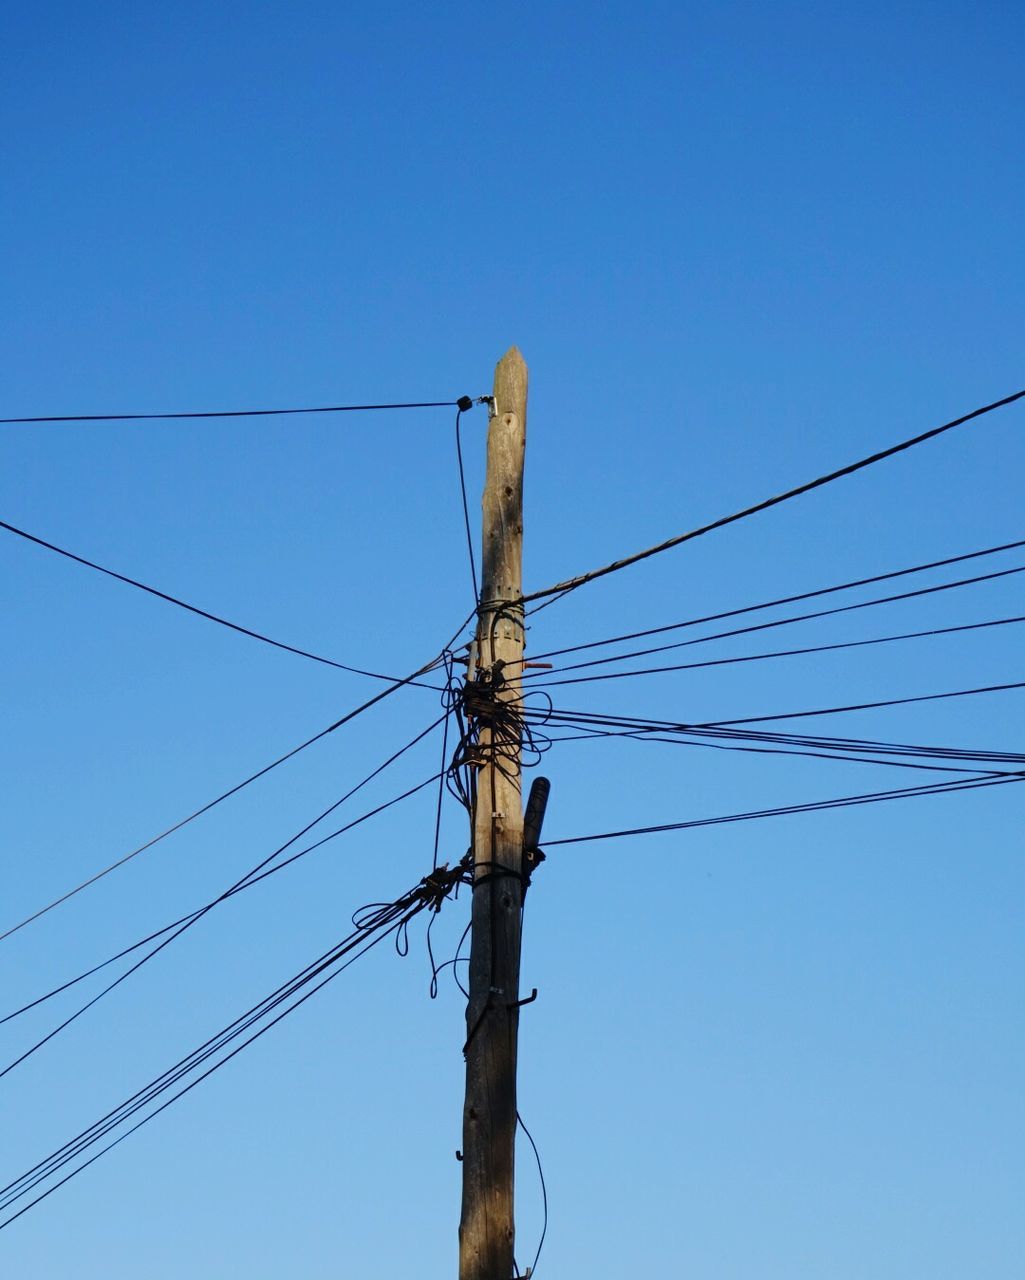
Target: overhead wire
571	584
838	802
228	413
750	629
372	926
781	653
846	755
871	706
259	872
613	725
254	876
782	600
203	809
191	608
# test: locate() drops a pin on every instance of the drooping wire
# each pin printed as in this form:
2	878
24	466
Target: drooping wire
544	1193
442	776
228	413
782	600
466	508
571	584
191	608
457	959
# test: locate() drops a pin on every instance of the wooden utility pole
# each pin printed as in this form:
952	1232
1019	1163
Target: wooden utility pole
486	1230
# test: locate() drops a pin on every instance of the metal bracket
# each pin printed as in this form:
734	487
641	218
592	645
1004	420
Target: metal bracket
518	1004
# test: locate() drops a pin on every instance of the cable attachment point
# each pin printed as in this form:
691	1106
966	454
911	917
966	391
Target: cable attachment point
435	887
465	403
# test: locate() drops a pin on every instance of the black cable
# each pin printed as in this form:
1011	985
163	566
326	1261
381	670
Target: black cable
544	1193
466	509
252	877
229	413
191	608
194	917
570	584
392	917
939	788
640	728
781	600
374	926
351	715
869	706
798	617
641	735
782	653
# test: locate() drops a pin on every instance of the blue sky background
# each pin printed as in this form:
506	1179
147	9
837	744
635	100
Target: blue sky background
739	245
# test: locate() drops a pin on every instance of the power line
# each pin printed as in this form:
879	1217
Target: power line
870	706
815	806
257	873
252	877
191	608
728	729
120	862
851	750
227	413
798	617
570	584
780	653
781	600
645	735
372	926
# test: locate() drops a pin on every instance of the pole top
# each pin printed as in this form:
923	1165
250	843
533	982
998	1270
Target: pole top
511	383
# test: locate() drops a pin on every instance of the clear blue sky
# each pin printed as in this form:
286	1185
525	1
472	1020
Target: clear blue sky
739	245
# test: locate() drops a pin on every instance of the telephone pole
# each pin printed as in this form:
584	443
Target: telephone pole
486	1229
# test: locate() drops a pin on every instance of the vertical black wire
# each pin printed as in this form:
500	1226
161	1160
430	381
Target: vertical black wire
444	767
544	1192
466	509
